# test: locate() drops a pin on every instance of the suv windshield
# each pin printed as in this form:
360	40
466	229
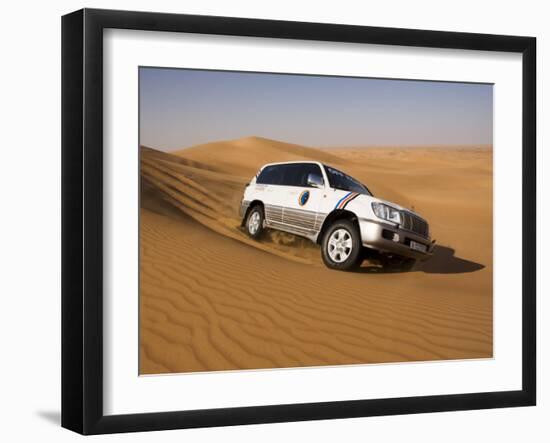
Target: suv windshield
339	180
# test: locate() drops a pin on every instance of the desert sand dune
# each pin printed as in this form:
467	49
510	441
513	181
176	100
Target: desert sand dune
213	299
246	155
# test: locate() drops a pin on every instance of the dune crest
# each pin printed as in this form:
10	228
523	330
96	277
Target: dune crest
246	155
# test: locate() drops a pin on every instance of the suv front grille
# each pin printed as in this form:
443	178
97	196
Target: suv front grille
415	224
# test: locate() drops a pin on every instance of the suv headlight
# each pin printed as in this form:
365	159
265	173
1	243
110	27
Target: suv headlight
386	212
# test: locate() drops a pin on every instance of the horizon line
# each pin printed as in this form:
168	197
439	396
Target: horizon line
343	146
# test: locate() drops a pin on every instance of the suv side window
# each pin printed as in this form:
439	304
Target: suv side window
290	175
306	169
270	175
295	174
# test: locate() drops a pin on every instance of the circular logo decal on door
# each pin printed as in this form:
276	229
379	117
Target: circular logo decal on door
304	197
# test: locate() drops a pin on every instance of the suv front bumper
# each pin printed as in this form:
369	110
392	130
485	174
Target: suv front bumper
390	239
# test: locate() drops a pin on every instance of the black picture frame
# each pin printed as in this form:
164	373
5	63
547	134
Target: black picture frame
82	218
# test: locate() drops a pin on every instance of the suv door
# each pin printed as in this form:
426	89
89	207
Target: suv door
301	201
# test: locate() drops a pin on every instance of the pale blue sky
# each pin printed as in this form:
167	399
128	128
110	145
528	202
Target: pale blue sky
181	108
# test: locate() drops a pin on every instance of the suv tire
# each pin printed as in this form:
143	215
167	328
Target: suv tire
254	224
341	246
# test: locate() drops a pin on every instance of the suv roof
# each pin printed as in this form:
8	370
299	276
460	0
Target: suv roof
292	162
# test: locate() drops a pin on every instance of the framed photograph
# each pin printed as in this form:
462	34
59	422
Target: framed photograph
268	221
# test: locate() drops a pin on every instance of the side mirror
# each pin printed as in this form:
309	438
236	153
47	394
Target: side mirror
315	180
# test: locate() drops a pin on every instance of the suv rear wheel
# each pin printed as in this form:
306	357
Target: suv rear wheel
341	246
255	222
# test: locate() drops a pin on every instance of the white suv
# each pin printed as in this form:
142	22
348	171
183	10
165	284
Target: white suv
338	212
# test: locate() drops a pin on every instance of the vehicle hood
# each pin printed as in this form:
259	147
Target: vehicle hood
368	199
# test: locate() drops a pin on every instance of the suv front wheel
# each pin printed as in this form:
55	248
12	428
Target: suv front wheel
341	246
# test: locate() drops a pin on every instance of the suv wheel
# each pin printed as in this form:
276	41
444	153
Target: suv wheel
341	246
255	222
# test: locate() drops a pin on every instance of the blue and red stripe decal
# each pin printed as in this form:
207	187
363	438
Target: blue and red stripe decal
342	203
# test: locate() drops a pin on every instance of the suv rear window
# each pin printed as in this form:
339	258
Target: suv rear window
292	174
